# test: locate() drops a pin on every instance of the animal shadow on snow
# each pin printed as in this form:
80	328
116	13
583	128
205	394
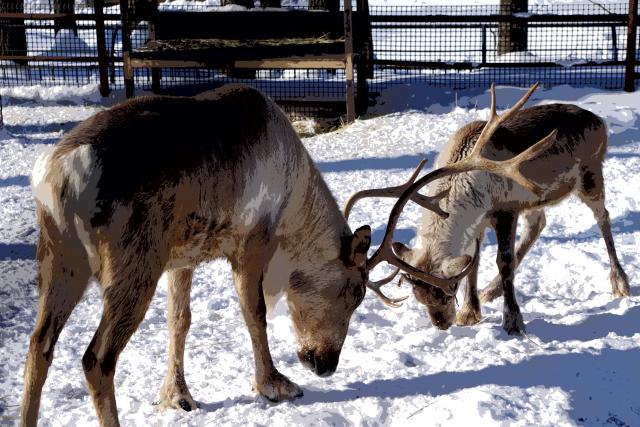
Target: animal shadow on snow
593	327
580	376
378	163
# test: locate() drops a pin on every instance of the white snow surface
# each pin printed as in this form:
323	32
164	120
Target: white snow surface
579	364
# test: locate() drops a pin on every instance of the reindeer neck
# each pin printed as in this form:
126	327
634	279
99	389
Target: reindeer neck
467	210
313	222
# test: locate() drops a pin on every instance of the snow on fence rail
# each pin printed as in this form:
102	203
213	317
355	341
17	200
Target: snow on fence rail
457	46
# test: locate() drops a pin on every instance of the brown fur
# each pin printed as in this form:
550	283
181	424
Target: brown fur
160	184
479	199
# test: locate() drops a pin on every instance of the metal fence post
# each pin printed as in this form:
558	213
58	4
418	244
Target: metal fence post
484	45
103	60
614	42
630	69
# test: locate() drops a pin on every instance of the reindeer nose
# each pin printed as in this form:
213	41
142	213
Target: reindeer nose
441	322
321	364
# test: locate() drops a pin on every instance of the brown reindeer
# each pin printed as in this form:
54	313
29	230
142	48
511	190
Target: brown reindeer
159	184
571	145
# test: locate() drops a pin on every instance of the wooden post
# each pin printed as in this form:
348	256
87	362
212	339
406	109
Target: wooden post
129	87
156	73
630	69
103	60
348	53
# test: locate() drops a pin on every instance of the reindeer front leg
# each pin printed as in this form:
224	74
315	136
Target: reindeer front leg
470	313
247	276
505	224
534	223
175	393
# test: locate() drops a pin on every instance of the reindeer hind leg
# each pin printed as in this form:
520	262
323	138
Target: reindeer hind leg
174	392
128	289
63	275
592	194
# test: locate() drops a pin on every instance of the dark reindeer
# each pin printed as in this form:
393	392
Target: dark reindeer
527	159
160	184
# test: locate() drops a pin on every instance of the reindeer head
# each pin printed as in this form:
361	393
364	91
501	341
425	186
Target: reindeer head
322	299
436	282
441	305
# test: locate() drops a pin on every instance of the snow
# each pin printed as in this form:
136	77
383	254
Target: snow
577	366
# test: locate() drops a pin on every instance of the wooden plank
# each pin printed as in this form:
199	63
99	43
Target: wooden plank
291	63
248	25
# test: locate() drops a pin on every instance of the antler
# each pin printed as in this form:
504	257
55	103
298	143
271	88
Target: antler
427	202
375	287
508	168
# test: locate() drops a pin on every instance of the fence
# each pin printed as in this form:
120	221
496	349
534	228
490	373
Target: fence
455	46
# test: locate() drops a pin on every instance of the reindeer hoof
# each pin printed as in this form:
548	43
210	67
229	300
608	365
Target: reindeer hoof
176	400
620	285
513	323
468	317
276	388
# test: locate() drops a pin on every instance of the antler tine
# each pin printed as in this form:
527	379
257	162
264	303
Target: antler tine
375	287
426	202
495	120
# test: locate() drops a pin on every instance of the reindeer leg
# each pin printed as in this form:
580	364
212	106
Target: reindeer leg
248	269
505	226
470	313
592	194
535	222
128	289
175	393
63	278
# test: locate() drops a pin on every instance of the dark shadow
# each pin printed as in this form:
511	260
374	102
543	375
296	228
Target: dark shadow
628	223
19	180
376	163
16	251
579	375
593	327
23	130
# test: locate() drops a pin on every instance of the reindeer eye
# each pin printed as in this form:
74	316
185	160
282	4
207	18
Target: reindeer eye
358	294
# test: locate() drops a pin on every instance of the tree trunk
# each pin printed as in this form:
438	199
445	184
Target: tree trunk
246	3
13	37
512	37
64	6
331	5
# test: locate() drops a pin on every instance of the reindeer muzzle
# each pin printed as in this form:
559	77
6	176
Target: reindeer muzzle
322	363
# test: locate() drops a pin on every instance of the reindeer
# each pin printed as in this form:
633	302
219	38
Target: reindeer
496	172
160	184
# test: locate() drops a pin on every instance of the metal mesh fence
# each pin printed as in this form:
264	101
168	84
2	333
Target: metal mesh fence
453	45
460	46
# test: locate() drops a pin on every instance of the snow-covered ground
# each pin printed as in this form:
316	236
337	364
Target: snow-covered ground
579	365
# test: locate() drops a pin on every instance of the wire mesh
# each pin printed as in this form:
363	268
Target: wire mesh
454	46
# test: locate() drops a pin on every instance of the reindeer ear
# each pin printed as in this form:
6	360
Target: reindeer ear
454	265
359	246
